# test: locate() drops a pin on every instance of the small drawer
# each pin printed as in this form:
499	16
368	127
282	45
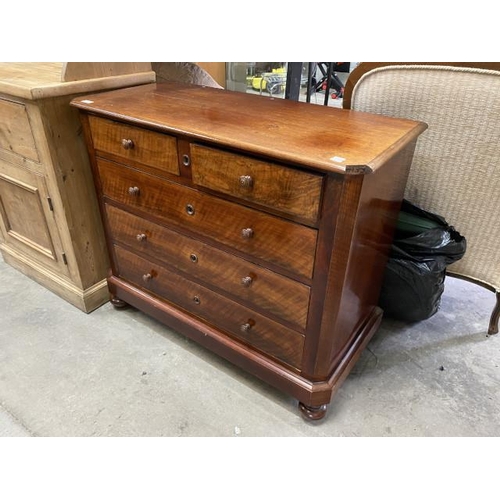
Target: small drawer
283	297
271	239
253	329
158	151
16	135
282	188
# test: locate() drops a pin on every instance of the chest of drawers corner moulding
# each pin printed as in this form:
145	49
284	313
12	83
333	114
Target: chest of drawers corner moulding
260	228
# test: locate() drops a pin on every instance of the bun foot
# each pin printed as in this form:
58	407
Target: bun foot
118	303
312	412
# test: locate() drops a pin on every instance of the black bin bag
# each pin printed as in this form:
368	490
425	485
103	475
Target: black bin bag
424	245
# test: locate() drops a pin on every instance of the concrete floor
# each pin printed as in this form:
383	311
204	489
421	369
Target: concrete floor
120	373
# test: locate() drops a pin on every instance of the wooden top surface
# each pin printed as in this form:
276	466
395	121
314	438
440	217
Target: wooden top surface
323	138
38	80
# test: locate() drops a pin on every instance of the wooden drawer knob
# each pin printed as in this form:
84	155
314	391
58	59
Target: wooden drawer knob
147	277
246	281
245	328
141	237
246	181
134	191
247	233
127	144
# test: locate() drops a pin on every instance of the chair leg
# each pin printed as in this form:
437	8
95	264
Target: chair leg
495	317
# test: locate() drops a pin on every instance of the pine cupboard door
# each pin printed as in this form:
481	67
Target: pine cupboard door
27	225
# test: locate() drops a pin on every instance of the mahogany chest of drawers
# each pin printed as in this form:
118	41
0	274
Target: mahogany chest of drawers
258	227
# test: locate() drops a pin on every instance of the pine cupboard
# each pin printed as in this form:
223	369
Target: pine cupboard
50	227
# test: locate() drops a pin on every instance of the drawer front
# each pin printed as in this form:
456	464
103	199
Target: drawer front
153	149
291	191
16	135
253	329
269	238
283	297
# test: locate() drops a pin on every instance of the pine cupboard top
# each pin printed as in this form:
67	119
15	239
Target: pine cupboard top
39	80
322	138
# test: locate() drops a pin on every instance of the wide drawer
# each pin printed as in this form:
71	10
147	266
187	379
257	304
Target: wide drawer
252	328
156	150
286	298
286	189
272	239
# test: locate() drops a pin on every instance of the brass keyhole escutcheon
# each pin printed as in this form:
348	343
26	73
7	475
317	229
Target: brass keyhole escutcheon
196	300
190	209
193	258
186	161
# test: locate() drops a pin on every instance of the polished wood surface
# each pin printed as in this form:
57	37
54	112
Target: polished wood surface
367	216
247	325
285	189
130	143
257	250
262	236
319	138
266	290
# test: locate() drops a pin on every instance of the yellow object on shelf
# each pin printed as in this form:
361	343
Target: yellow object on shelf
260	82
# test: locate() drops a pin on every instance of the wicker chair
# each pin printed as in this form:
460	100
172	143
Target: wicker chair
456	166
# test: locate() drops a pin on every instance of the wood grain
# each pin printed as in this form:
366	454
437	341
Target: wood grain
77	212
23	215
73	71
320	138
40	80
50	223
270	292
286	189
27	224
286	244
313	229
150	148
15	130
265	335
